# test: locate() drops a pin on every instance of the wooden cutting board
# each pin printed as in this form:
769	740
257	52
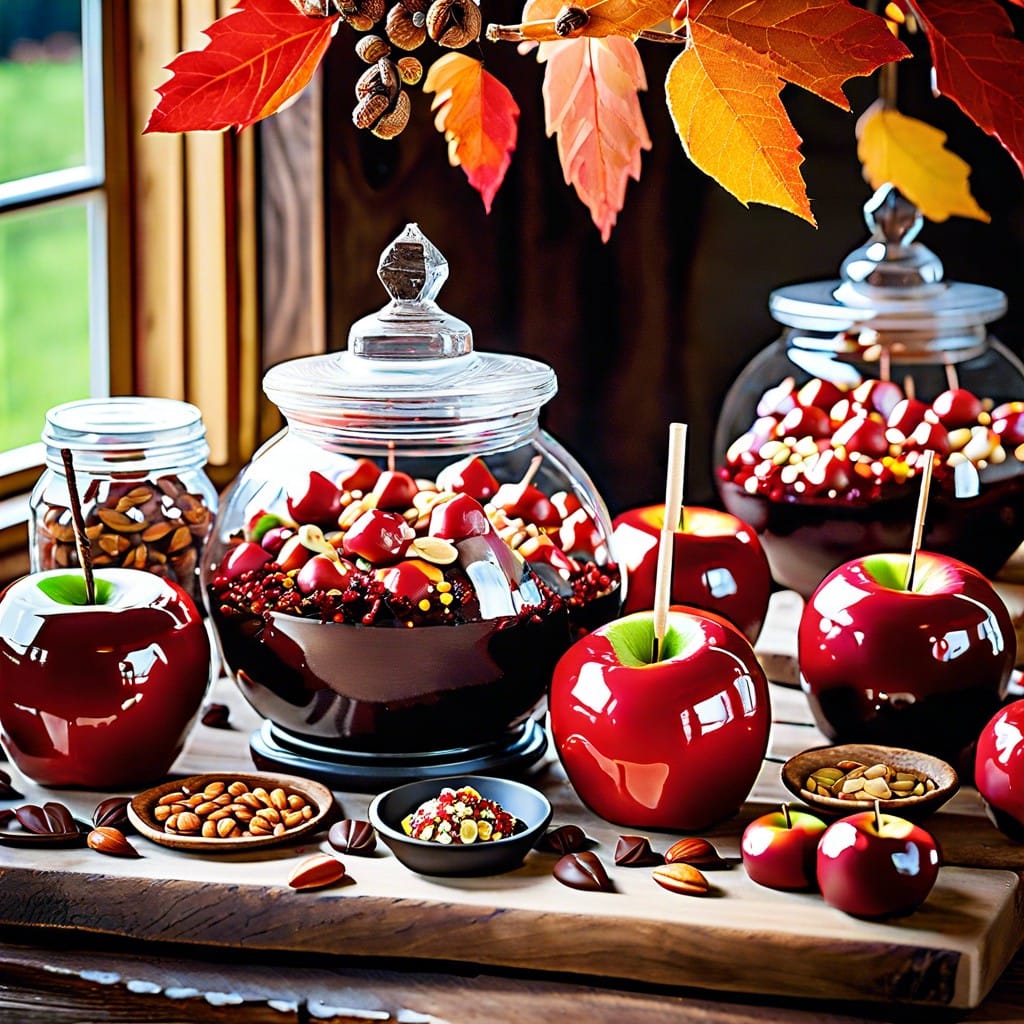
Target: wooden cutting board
742	938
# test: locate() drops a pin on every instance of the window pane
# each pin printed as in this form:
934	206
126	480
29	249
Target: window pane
44	317
42	91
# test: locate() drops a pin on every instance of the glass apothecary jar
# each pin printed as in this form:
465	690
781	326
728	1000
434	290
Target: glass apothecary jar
822	437
140	468
396	573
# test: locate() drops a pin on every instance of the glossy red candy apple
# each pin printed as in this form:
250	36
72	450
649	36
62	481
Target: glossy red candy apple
957	407
459	518
805	421
579	534
293	554
324	573
394	491
675	744
413	579
876	867
526	502
468	476
864	434
101	695
821	393
243	558
718	564
1008	422
543	549
275	538
779	850
317	501
999	768
360	477
880	396
906	415
382	538
922	669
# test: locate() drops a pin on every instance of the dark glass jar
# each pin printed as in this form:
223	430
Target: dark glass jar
396	573
822	436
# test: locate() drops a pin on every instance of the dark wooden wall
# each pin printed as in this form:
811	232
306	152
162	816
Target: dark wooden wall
654	325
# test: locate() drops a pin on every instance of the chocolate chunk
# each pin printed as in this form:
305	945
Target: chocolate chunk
353	836
7	791
112	813
583	871
51	823
562	840
217	716
636	852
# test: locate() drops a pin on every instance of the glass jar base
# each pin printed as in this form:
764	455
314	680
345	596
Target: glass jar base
361	771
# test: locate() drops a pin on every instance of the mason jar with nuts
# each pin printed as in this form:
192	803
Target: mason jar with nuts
146	499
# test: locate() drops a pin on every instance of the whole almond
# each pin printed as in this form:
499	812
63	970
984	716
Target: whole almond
227	828
681	878
263	797
188	822
317	871
214	789
696	851
271	814
238	788
279	799
161	812
295	802
110	841
292	818
171	798
260	827
249	800
206	808
209	829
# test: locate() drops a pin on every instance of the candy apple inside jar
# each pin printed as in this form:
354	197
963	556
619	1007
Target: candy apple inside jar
671	744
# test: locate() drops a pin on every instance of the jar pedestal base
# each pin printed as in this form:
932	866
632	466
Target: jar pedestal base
365	771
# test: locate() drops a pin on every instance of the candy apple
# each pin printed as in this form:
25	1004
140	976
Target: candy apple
922	668
957	407
275	538
876	865
318	500
381	538
718	564
468	476
361	477
526	502
99	695
459	518
323	573
1008	422
779	849
243	558
999	768
394	491
674	744
413	579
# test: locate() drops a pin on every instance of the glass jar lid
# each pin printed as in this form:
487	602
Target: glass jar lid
891	283
410	371
126	434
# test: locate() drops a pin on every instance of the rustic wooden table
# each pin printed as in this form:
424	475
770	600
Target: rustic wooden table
179	937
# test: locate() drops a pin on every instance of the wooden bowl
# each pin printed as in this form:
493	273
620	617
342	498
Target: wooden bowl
141	811
796	771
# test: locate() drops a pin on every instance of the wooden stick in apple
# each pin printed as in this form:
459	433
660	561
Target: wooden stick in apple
928	457
391	456
82	542
952	379
666	541
531	470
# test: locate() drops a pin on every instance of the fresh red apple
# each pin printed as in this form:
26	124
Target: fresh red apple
718	564
876	866
382	538
99	695
922	669
999	768
318	500
674	744
360	477
779	849
394	491
468	476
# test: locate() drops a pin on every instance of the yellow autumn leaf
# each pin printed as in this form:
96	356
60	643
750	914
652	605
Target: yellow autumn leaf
724	101
912	156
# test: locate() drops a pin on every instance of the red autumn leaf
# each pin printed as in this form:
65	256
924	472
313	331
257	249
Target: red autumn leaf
816	44
478	117
259	56
979	65
591	103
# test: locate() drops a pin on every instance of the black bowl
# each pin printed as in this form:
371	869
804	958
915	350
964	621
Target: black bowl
528	805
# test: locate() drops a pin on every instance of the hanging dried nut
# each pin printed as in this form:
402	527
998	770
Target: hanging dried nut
382	78
395	120
570	20
405	28
372	48
369	110
416	6
454	23
411	71
362	15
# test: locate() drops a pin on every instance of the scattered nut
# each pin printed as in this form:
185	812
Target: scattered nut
110	841
681	878
317	871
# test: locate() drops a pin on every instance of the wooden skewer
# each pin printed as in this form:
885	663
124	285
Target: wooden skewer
922	507
82	543
908	386
391	456
884	364
531	470
666	541
952	379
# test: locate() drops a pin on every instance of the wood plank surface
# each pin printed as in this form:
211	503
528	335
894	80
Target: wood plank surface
744	938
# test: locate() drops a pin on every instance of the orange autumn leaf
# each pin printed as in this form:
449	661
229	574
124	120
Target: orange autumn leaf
724	100
816	44
912	156
627	18
478	117
259	56
591	104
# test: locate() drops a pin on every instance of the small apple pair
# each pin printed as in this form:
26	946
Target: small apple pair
869	864
718	564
